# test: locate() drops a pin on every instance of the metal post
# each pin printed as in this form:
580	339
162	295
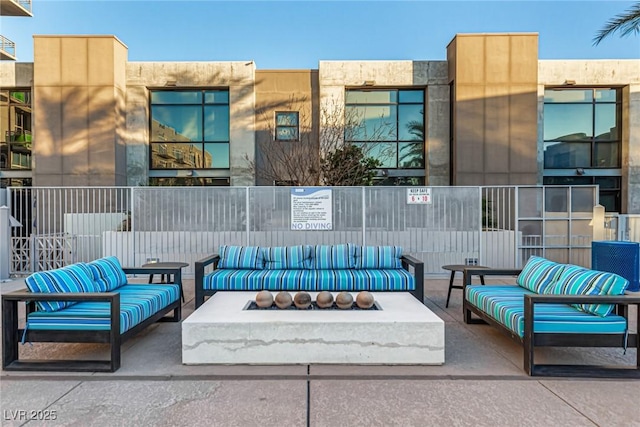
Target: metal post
132	228
623	227
480	260
5	242
247	216
364	217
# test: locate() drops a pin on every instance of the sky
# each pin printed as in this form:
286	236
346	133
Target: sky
299	34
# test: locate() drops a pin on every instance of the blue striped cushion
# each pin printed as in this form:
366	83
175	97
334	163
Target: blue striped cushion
332	257
310	280
538	274
243	257
108	273
255	280
364	280
137	303
506	305
378	257
72	278
579	281
290	257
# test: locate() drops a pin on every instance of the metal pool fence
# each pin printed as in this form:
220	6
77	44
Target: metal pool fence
494	226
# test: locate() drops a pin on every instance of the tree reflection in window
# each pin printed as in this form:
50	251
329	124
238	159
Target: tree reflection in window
189	129
388	124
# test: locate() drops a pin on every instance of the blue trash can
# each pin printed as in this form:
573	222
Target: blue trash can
622	258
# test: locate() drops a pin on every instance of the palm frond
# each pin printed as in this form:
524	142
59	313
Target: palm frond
626	23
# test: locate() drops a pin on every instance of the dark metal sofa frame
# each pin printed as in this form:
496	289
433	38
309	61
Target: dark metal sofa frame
533	339
407	261
12	334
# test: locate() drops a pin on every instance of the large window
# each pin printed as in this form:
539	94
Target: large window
582	140
189	129
15	124
389	126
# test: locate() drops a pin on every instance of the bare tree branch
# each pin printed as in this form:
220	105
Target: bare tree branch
318	157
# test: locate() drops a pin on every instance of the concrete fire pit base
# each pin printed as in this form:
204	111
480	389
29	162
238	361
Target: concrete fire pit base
404	331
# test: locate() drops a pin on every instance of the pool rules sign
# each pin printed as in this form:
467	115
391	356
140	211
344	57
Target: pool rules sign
311	209
419	196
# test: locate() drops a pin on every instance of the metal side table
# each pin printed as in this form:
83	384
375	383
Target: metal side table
455	268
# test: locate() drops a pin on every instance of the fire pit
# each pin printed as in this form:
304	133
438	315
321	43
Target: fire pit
404	331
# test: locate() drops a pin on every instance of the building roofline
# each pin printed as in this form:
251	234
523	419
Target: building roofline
78	36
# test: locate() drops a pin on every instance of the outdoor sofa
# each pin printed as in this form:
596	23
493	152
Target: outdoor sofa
85	303
341	267
557	305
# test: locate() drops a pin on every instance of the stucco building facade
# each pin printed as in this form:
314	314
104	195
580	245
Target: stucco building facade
492	113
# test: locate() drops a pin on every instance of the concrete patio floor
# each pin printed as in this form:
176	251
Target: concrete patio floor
481	383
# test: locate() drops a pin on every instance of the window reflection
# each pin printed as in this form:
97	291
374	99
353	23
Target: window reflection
568	122
287	126
189	130
16	126
411	156
216	156
581	130
411	123
382	122
607	154
606	125
216	123
386	153
374	123
371	97
567	155
176	97
176	156
577	117
177	123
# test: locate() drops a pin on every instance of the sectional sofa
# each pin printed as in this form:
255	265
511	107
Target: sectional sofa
341	267
557	305
85	303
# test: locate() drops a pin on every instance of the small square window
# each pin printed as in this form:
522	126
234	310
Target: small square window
287	126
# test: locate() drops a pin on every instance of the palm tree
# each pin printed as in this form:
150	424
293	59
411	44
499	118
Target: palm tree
626	23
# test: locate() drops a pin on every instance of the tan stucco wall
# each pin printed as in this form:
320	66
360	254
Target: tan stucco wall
78	94
614	73
237	76
495	120
335	76
285	90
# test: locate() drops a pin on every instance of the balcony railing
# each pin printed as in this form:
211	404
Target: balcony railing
7	49
15	7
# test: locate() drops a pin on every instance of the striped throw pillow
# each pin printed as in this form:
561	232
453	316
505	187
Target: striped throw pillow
241	257
73	278
580	281
333	257
107	273
379	257
538	274
286	257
